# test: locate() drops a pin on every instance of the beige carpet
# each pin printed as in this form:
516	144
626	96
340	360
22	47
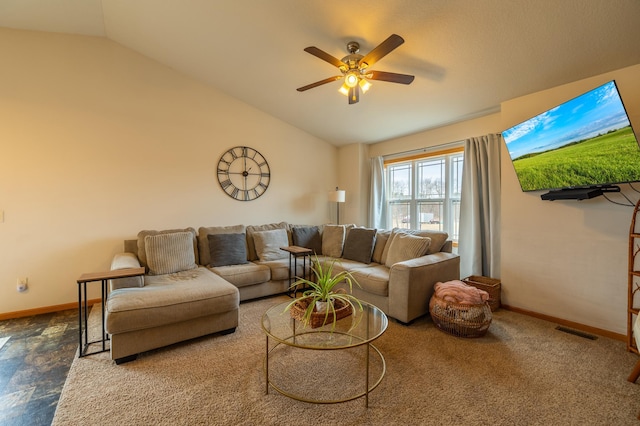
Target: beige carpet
523	372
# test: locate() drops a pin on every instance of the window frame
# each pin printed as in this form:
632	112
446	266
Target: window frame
449	203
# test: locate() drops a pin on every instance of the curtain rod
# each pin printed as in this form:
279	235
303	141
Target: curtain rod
421	150
427	149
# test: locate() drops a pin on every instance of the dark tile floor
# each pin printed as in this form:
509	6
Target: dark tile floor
35	355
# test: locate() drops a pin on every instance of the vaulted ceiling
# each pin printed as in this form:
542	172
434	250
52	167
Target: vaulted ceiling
467	55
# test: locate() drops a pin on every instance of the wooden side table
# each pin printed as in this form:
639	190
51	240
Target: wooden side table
294	253
104	277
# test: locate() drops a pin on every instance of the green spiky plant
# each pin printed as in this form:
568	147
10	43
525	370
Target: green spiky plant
322	290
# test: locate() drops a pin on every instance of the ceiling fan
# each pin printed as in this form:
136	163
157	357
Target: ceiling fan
355	68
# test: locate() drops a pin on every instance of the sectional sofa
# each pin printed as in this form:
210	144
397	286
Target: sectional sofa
195	281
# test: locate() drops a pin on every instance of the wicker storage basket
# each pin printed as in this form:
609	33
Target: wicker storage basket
460	320
318	319
490	285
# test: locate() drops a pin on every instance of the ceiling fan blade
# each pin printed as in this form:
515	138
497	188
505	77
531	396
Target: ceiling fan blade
382	50
324	56
318	83
354	95
390	77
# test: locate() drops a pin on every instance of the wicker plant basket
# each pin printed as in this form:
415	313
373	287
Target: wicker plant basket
318	319
490	285
460	320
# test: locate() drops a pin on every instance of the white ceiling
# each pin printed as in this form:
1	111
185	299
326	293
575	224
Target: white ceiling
467	55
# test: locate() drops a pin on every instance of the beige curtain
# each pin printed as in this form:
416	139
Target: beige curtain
479	237
378	198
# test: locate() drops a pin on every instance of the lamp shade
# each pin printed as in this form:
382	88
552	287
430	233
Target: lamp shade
337	196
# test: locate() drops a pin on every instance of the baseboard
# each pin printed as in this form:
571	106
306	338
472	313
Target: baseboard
577	326
44	310
571	324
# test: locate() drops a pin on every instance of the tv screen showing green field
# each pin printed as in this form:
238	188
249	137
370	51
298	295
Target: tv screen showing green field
587	141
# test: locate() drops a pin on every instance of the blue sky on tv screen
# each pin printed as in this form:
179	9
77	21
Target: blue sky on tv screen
586	116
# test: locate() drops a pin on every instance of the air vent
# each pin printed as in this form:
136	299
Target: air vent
576	332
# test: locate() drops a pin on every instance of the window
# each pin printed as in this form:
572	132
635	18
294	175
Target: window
424	192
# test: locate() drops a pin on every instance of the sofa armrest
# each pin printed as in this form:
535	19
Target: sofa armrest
411	283
123	261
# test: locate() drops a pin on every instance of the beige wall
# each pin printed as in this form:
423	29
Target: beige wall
99	142
355	181
566	259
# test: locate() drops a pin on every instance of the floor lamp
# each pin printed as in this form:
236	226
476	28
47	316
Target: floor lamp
338	196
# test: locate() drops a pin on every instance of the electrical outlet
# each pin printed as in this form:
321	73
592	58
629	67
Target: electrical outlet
23	284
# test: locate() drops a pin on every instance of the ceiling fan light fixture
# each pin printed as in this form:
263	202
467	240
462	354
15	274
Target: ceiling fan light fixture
364	85
344	89
351	79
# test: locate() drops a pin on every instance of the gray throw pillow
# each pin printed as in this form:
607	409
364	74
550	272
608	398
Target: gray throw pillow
359	245
308	237
203	241
227	249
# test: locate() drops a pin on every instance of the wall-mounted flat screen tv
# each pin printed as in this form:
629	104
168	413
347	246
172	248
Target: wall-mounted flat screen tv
585	142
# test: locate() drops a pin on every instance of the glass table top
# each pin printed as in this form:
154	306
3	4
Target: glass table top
361	327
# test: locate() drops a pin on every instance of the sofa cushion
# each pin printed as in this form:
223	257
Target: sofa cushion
268	244
438	238
308	237
359	245
333	240
251	229
373	279
142	254
339	265
381	240
203	242
244	275
405	247
170	298
227	249
279	268
169	253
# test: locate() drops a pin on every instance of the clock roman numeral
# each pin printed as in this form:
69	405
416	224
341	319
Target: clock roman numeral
225	183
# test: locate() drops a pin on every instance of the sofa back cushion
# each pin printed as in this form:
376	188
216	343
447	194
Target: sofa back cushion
406	247
169	252
308	237
142	254
204	246
358	244
268	244
227	249
251	229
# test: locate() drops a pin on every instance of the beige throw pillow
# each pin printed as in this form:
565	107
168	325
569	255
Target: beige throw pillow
169	253
268	244
381	241
142	254
251	229
333	240
405	247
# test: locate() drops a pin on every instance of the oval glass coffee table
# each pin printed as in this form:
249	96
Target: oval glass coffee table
357	330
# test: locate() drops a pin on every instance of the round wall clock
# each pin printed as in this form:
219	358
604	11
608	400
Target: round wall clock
243	173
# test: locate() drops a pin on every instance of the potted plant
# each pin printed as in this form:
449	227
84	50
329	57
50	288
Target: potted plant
321	302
